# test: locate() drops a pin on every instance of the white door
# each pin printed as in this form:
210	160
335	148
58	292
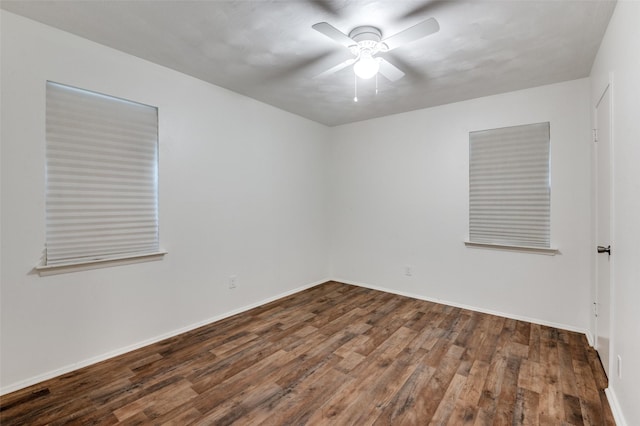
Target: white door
603	227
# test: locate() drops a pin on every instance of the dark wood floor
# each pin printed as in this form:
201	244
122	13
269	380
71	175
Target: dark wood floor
336	354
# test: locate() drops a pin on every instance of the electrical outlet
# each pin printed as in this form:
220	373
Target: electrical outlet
408	271
619	367
232	281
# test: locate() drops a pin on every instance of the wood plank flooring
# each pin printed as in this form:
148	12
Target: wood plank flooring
336	354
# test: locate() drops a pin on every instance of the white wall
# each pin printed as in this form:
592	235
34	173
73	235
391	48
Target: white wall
619	55
242	191
389	192
399	189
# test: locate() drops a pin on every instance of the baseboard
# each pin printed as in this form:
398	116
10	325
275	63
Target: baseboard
75	366
615	407
469	307
590	338
111	354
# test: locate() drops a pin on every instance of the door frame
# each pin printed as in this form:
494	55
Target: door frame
601	93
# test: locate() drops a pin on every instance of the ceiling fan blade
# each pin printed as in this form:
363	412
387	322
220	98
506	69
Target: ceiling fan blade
389	70
336	68
426	9
304	66
326	6
333	33
414	33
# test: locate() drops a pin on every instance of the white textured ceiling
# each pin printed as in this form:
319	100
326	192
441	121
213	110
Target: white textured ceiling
267	49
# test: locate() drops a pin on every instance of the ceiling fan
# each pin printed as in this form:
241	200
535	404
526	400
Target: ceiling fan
365	42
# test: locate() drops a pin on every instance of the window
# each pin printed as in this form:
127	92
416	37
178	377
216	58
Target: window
102	168
509	186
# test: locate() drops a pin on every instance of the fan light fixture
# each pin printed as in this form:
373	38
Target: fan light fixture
367	66
365	42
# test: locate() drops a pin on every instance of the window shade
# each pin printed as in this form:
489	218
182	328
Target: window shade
509	192
101	189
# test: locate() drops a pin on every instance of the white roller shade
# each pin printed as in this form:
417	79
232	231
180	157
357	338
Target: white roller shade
101	190
509	190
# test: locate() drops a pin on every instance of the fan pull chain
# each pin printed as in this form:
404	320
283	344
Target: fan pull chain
376	84
355	88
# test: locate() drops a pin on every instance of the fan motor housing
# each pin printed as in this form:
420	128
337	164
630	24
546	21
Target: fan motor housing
366	33
368	39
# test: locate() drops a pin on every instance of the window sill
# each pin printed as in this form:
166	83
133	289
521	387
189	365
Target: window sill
523	249
46	270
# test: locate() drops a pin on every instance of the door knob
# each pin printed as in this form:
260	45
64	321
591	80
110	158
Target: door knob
603	249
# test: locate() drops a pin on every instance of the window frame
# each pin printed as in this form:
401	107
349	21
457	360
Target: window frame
490	223
89	220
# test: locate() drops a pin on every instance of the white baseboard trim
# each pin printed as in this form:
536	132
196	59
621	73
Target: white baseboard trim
94	360
590	338
469	307
615	407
